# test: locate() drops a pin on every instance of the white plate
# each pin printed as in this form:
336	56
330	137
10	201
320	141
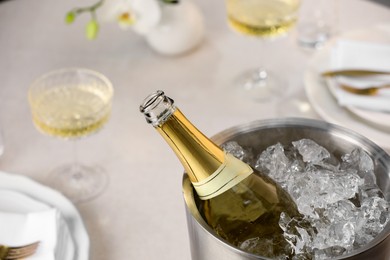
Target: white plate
326	105
16	202
39	193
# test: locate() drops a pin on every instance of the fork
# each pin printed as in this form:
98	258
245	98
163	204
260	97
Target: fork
18	252
370	91
353	73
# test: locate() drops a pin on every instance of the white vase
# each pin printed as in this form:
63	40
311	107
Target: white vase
180	30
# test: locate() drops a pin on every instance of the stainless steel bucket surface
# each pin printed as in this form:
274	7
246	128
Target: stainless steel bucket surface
205	243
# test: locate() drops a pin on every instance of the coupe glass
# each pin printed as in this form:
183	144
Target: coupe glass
72	103
263	19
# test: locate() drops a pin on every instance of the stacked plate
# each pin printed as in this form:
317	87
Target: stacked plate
38	212
323	93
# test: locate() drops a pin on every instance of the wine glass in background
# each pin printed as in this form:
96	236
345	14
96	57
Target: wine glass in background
263	19
72	103
317	19
317	24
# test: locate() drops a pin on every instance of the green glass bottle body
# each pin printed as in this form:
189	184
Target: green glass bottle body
241	204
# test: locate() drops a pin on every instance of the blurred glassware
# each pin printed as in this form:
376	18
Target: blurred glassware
317	20
263	19
70	104
316	23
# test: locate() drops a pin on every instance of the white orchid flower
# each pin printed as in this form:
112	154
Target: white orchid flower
140	15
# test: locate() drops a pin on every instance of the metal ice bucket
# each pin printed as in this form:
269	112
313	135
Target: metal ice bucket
205	243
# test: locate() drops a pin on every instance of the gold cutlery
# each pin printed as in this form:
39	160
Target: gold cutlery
18	252
370	91
354	73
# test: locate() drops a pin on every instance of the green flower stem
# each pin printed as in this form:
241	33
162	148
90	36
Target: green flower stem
90	9
92	27
170	1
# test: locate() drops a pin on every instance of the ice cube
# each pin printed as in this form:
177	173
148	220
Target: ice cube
362	162
369	191
358	159
274	162
337	226
333	251
334	234
298	233
311	151
303	240
317	188
264	246
376	213
343	210
237	151
249	244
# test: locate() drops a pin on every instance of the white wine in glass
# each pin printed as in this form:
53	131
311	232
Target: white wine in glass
263	19
70	104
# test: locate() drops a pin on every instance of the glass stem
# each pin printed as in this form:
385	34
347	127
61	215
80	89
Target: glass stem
76	168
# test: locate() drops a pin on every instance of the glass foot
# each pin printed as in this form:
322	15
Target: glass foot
296	105
79	183
260	85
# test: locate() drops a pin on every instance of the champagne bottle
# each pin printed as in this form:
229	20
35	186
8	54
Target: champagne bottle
242	205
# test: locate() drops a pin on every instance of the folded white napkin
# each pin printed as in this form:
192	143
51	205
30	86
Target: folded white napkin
20	229
24	220
361	55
